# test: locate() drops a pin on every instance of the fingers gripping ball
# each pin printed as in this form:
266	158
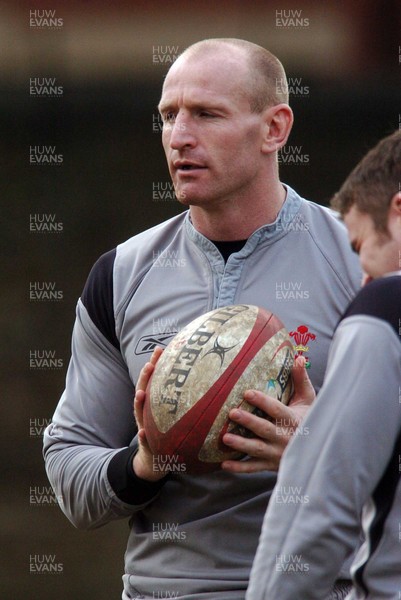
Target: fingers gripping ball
203	373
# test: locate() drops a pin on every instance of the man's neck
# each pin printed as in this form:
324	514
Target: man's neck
237	221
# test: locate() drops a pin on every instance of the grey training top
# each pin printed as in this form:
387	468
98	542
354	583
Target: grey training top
349	475
192	537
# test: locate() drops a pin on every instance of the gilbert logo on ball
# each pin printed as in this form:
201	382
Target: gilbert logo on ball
203	374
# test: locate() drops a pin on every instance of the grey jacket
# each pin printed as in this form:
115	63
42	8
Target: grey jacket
349	478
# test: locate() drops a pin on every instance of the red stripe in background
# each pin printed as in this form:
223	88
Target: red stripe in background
178	440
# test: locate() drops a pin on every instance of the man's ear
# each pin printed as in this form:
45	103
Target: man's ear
394	217
277	125
395	204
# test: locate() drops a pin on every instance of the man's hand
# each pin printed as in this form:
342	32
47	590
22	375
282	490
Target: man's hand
143	459
271	437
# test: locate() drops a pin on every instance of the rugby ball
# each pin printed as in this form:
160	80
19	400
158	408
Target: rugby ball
202	374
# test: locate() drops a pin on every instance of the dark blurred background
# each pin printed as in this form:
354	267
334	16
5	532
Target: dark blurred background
79	85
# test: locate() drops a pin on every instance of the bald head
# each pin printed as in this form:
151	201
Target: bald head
265	82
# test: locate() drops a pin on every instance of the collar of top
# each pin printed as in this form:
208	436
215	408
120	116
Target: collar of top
270	231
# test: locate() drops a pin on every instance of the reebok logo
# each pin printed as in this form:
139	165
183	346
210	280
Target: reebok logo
147	343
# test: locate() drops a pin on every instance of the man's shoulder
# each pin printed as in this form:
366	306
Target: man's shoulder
323	213
134	250
381	298
323	223
117	271
329	238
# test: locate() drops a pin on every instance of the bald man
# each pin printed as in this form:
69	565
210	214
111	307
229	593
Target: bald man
246	238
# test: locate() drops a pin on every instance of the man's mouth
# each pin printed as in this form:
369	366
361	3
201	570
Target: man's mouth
187	166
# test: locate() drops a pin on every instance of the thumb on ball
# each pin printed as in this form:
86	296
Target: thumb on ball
303	388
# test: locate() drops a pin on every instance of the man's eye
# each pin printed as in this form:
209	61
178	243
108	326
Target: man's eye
168	117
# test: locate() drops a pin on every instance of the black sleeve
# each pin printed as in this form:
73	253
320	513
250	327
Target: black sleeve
97	296
125	483
381	298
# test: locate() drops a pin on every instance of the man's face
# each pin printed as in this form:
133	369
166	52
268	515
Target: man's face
379	253
211	138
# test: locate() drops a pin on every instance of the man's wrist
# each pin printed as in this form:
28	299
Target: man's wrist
144	472
127	485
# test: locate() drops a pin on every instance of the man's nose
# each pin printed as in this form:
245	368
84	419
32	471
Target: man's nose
181	133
